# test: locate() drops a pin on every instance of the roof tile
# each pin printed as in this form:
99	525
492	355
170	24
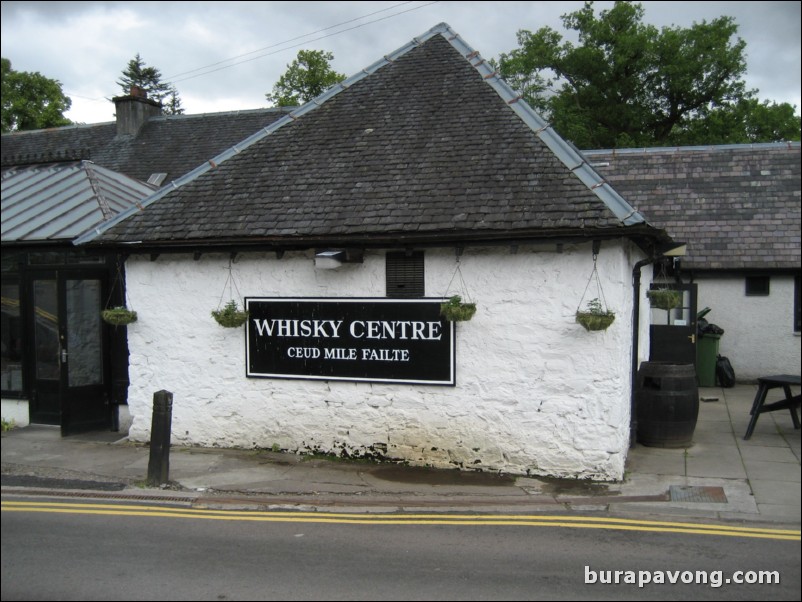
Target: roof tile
736	206
422	144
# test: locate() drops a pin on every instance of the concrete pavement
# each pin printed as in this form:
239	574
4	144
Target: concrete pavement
719	477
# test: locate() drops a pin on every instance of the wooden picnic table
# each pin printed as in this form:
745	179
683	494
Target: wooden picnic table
790	403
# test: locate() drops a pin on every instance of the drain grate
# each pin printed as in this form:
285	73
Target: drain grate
687	493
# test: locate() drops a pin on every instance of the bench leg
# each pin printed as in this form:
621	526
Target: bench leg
792	406
756	406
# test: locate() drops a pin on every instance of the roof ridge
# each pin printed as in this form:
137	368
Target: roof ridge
97	189
565	152
221	113
789	145
72	126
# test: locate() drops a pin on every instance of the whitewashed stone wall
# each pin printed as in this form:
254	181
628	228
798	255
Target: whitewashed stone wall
759	337
536	394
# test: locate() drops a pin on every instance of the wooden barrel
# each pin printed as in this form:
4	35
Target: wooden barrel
667	404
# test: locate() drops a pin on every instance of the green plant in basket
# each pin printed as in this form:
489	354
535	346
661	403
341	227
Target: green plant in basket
454	310
595	317
230	316
118	316
665	298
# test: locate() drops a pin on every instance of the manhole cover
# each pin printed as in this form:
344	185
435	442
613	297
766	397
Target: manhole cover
686	493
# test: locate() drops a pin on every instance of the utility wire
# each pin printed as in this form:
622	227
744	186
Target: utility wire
302	43
288	41
207	69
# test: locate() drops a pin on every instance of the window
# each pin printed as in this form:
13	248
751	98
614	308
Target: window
757	286
405	274
11	339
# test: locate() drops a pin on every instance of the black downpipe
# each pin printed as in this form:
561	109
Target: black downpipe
633	417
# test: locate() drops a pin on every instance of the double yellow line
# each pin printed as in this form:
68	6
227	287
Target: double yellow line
519	520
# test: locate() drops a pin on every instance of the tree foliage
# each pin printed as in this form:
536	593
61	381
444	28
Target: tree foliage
627	83
308	76
171	105
747	121
31	101
149	79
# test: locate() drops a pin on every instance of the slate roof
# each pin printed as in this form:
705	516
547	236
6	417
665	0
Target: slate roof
737	206
60	201
166	144
425	145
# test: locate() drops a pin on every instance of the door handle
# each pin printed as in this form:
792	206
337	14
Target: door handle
693	339
63	355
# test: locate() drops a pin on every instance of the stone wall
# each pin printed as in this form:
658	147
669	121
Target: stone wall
536	393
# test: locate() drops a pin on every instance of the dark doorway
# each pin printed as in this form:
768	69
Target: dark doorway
673	331
68	356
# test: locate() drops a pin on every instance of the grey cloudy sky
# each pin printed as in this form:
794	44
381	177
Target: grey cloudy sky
242	48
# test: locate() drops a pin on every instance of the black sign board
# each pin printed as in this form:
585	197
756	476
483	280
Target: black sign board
373	340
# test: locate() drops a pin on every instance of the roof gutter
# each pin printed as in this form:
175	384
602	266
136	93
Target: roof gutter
645	236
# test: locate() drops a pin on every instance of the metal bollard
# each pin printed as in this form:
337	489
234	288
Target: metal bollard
159	463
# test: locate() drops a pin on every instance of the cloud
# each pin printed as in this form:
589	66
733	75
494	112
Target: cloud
86	45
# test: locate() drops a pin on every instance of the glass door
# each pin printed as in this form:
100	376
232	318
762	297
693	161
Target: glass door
84	400
46	351
69	361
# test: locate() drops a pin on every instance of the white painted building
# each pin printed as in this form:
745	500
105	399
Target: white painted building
759	334
535	394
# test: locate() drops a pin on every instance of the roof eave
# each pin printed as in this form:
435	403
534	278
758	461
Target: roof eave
643	235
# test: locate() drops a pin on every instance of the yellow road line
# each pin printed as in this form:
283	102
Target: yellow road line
404	519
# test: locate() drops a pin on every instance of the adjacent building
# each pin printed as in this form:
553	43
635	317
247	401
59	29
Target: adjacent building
60	364
738	208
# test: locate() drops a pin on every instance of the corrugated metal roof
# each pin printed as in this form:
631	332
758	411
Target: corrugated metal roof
60	201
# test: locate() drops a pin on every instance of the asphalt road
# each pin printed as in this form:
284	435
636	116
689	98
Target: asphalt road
84	550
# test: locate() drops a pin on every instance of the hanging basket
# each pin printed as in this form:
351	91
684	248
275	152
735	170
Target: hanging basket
230	316
594	317
664	298
454	310
118	316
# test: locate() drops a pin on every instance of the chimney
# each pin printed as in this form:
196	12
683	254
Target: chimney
134	110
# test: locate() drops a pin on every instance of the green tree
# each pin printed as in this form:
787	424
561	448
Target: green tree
149	79
308	76
172	103
627	83
745	122
31	101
